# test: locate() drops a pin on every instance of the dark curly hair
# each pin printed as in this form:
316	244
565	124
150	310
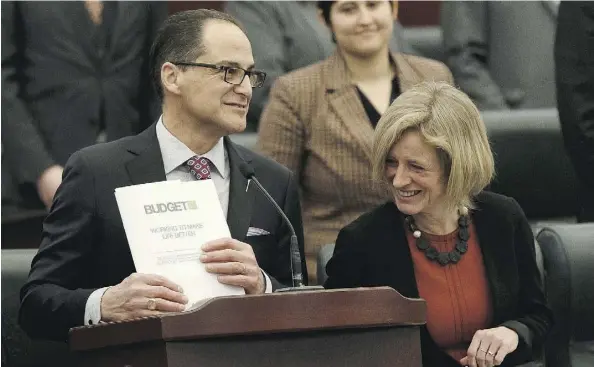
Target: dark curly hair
325	7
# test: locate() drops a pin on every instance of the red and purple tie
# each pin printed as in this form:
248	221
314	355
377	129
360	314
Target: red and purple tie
199	167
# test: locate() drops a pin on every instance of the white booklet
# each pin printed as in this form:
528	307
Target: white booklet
166	224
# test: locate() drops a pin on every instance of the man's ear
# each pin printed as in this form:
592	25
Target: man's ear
170	78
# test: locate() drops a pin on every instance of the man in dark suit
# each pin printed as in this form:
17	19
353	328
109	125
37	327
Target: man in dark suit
71	77
202	66
574	64
497	57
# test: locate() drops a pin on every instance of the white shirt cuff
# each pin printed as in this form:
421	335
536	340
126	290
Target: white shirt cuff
93	307
268	282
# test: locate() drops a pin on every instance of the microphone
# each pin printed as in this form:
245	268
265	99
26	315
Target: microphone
296	271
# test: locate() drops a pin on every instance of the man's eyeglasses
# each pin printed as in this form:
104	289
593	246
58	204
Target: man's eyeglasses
233	75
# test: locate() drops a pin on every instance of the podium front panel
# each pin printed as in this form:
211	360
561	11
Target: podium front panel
393	347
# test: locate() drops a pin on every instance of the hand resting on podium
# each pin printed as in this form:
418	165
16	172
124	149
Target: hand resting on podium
144	295
141	295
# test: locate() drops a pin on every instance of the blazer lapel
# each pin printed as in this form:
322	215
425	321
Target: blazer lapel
147	166
491	235
396	258
407	75
344	99
345	102
239	214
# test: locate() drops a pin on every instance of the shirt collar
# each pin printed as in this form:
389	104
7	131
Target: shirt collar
176	153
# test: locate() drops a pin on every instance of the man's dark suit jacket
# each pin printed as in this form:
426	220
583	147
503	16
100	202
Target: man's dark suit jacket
84	244
574	68
57	83
373	251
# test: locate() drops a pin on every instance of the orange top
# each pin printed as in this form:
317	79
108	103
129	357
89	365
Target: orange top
458	296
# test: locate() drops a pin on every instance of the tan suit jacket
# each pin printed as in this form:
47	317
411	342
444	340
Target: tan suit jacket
315	124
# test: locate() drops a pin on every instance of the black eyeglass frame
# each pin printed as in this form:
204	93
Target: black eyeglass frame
226	68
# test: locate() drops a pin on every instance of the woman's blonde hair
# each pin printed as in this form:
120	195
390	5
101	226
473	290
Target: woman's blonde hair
448	121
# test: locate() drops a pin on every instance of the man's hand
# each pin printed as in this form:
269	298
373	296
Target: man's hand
141	295
490	346
48	183
235	263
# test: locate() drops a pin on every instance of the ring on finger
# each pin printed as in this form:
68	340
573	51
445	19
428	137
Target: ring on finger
151	304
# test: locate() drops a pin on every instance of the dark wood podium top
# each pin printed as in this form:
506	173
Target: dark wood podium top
262	314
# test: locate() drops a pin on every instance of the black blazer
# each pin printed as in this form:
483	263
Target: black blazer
373	251
84	244
56	83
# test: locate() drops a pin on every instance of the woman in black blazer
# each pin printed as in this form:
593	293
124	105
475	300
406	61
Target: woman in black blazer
467	252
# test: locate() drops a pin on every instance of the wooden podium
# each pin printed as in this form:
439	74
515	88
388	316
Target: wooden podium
343	327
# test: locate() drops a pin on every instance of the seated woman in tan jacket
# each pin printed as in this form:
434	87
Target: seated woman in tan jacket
320	119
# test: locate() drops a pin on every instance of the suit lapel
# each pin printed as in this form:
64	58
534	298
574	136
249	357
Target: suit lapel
123	17
239	214
83	28
344	100
147	165
551	7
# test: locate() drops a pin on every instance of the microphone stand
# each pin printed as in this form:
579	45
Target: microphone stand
298	286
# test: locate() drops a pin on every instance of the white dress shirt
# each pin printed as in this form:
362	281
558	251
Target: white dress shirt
175	154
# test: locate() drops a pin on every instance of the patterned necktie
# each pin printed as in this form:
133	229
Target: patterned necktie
199	167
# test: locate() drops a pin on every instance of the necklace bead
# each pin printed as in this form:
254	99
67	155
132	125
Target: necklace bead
443	258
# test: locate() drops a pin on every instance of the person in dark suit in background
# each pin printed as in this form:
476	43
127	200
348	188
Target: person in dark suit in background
498	57
469	253
203	67
574	66
71	77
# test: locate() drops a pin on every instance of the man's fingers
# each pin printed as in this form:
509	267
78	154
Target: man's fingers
143	313
158	280
228	255
159	304
244	281
166	294
231	268
222	244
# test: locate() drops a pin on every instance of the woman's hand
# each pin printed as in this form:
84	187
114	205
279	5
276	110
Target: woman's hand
490	346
